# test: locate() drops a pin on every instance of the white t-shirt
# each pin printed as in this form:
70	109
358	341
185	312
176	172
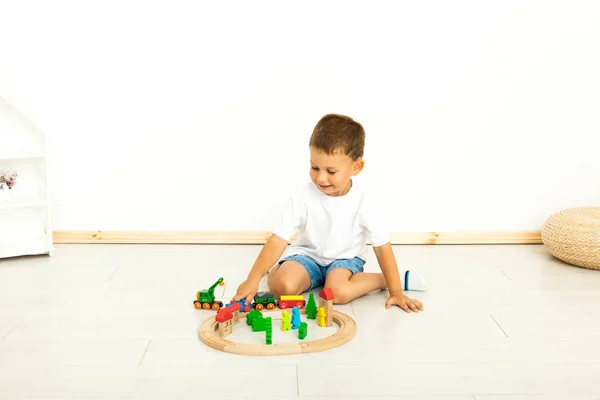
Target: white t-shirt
331	228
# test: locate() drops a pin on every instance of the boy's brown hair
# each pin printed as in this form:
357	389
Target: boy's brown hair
335	132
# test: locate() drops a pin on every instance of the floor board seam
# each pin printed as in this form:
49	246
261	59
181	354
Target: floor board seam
12	329
499	325
504	272
145	351
111	275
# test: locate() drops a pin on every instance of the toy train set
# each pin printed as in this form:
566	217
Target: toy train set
216	328
205	300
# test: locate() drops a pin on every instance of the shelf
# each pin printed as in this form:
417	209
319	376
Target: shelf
26	247
20	203
7	157
25	223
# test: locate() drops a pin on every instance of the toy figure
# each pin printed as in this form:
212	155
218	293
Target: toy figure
285	321
302	331
295	318
321	314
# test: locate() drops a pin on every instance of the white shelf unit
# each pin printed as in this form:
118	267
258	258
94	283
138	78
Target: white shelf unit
25	210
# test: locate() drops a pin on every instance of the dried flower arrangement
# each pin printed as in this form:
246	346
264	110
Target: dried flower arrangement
8	178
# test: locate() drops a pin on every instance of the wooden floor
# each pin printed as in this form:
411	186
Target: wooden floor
117	321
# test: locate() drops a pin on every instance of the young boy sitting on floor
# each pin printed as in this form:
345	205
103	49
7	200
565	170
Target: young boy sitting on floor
331	214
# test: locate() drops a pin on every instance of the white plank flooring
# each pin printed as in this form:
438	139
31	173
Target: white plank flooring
117	321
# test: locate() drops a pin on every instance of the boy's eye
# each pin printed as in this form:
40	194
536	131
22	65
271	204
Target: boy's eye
317	168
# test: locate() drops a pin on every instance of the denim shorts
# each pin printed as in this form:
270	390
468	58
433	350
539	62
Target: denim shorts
318	273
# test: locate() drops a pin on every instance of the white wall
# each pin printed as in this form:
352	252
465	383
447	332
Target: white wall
175	115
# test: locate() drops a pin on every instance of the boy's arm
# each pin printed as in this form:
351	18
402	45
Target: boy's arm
268	256
387	262
389	268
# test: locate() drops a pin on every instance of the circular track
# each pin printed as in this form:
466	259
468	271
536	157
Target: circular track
207	334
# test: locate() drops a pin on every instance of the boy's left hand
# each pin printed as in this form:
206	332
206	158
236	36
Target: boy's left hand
404	302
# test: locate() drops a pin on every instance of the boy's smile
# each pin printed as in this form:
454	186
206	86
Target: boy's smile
332	173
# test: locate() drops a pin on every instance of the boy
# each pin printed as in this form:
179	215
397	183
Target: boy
331	215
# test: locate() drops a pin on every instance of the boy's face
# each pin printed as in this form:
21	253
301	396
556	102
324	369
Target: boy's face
332	173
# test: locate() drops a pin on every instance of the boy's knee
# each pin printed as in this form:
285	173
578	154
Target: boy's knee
280	286
341	295
289	279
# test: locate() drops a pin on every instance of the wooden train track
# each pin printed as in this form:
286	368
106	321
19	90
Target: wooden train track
207	334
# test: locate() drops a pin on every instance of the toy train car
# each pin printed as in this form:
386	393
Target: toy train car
245	307
264	300
291	302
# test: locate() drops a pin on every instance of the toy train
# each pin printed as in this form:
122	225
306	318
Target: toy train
266	300
205	299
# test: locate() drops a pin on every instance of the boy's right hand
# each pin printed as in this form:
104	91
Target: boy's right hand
247	290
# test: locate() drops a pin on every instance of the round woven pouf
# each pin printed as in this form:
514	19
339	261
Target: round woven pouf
573	235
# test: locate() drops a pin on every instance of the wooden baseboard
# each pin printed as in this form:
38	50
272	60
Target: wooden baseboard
165	237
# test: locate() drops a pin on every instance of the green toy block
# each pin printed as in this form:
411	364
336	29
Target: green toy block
269	330
259	324
303	330
252	315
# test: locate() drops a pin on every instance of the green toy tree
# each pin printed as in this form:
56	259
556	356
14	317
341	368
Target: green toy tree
311	307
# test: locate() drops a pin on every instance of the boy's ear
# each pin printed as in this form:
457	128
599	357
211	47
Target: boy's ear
358	166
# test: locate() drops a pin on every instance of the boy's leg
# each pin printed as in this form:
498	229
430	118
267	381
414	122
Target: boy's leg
294	276
348	281
348	286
